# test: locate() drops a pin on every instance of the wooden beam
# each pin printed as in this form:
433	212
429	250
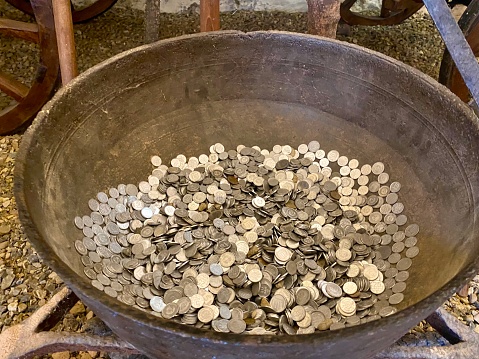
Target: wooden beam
152	21
62	14
323	17
19	29
12	87
209	15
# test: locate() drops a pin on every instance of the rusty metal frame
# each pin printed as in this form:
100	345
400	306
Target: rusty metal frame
33	336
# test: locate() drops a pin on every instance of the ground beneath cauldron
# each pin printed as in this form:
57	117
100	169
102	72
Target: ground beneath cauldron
26	284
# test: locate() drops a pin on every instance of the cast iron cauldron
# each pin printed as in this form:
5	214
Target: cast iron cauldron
181	95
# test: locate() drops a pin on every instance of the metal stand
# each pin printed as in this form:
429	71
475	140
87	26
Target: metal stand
33	336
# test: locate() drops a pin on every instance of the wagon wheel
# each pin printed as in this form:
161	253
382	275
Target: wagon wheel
449	75
393	12
30	100
78	14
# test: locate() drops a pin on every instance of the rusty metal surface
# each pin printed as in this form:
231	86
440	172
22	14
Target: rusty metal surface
449	75
179	95
32	338
456	43
464	341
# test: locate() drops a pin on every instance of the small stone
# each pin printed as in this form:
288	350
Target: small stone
70	323
22	307
77	309
89	315
472	298
61	355
7	281
53	276
96	326
84	355
12	307
3	245
93	354
5	229
463	291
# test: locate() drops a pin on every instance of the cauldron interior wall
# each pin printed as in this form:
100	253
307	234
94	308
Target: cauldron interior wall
265	89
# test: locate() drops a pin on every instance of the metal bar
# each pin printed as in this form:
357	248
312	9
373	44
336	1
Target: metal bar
456	43
65	40
27	339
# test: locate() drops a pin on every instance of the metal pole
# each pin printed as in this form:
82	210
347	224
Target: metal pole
456	43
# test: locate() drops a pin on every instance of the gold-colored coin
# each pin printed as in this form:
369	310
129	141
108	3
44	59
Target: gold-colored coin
350	288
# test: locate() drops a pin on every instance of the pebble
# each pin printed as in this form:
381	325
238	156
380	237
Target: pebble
5	229
61	355
7	282
78	308
12	307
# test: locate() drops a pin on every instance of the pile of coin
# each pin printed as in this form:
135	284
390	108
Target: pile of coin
253	241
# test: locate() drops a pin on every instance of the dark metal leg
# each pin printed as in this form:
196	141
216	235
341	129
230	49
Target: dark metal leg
32	337
464	341
28	338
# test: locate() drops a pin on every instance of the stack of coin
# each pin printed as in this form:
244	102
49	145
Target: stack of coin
287	241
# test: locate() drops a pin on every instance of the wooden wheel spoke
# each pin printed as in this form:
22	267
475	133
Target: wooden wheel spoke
12	87
79	14
19	29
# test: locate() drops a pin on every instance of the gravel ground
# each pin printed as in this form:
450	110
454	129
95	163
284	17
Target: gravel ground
25	283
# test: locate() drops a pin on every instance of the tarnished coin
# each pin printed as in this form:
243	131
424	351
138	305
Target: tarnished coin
412	252
278	303
267	241
404	264
81	248
282	254
377	287
170	310
412	230
303	296
255	275
237	326
371	272
227	259
298	313
205	315
396	298
332	290
350	288
347	306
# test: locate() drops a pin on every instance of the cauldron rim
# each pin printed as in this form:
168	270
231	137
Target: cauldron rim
428	304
